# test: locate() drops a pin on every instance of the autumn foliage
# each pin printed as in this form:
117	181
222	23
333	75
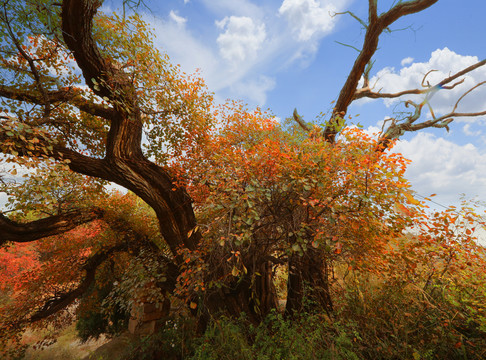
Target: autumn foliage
235	223
263	194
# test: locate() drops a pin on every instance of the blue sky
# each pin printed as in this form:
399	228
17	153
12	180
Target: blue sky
281	54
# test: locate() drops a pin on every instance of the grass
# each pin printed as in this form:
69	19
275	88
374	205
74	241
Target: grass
67	346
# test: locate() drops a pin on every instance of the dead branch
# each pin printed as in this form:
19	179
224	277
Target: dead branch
376	25
466	93
365	91
398	127
301	122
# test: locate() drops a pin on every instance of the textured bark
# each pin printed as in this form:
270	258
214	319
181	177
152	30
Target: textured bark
54	225
308	283
124	162
254	294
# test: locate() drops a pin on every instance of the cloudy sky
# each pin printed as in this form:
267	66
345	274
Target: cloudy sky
281	54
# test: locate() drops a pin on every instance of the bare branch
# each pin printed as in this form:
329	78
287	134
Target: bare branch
301	122
353	16
455	114
403	8
425	77
466	93
373	31
462	72
347	45
397	129
372	10
367	92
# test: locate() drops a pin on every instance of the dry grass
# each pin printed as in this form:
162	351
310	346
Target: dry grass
67	346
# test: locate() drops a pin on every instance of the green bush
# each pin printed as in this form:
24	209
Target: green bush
308	337
93	317
173	340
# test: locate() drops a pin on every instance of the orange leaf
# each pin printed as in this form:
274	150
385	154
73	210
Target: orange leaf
338	249
402	209
411	199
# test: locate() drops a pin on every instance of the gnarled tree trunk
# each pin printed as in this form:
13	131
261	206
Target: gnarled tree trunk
308	285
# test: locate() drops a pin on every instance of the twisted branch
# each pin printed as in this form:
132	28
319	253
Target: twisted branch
25	232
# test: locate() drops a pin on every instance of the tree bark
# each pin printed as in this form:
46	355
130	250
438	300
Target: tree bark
376	25
54	225
308	286
253	294
124	162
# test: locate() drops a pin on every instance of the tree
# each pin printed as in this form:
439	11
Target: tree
269	198
80	88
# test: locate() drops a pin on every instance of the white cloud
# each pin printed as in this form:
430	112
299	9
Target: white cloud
444	62
220	75
445	168
255	89
407	60
251	43
467	130
193	55
179	20
310	19
241	39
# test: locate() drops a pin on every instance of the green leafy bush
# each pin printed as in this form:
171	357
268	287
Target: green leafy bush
308	337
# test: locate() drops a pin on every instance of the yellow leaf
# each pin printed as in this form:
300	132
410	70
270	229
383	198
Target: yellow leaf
193	305
411	199
192	231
